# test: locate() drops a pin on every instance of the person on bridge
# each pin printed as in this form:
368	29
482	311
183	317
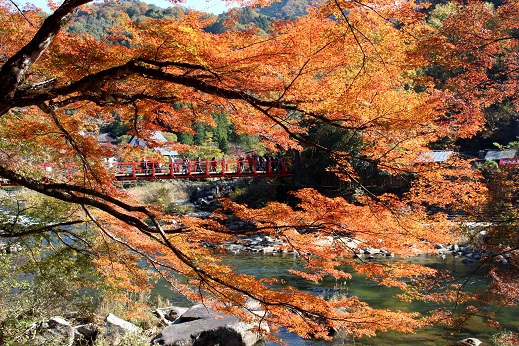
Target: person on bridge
144	166
213	164
185	165
240	164
198	167
262	163
279	162
250	161
224	165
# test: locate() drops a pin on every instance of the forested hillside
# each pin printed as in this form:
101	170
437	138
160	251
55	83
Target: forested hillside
99	21
103	16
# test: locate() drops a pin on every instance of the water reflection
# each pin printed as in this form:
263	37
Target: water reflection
380	297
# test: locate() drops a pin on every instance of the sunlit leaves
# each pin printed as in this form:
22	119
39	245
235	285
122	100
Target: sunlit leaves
351	65
454	185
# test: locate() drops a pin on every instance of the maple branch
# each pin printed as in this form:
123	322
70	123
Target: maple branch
110	98
388	19
80	195
14	69
301	70
352	30
82	251
207	279
87	83
22	13
156	265
132	67
496	40
174	64
51	110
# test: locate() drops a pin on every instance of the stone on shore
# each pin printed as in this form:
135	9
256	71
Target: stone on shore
469	342
170	314
200	326
115	323
86	334
56	330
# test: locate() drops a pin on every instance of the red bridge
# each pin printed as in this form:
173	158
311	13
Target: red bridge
200	169
127	171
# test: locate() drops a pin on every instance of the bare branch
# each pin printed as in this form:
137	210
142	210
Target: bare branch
44	229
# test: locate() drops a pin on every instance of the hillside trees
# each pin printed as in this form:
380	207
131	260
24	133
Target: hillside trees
218	133
98	20
242	18
345	65
41	275
494	42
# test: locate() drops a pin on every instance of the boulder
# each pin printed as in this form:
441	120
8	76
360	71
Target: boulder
200	326
253	305
114	323
170	314
197	312
55	330
469	342
86	334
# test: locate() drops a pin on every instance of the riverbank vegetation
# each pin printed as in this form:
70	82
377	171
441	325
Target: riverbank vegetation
358	91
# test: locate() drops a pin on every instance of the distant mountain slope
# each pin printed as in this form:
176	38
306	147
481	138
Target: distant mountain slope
288	9
102	16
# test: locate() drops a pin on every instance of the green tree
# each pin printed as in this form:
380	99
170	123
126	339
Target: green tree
117	127
202	133
47	271
221	132
185	138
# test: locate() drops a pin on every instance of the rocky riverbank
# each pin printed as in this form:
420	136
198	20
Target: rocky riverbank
264	244
194	326
205	199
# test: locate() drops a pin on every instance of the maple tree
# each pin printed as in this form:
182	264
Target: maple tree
350	65
482	58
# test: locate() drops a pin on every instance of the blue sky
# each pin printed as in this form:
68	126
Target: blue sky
211	6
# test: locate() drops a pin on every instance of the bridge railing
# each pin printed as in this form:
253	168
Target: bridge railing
198	169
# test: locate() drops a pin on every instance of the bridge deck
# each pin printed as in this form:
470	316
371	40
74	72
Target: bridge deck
128	171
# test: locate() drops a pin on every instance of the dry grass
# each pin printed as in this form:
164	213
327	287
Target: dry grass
168	194
149	192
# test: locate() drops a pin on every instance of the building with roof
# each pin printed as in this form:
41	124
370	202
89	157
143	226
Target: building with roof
157	137
107	138
497	155
436	156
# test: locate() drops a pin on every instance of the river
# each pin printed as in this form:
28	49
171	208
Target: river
376	296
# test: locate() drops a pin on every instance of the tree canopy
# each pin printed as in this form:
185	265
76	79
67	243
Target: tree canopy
362	68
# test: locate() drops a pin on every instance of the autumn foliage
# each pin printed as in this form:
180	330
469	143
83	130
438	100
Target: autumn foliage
353	65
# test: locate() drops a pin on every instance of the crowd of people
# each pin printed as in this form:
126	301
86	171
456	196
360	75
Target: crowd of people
248	163
260	163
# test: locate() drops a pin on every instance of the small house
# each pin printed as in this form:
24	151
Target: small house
157	137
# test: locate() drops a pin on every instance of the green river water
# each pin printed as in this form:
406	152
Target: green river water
376	296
